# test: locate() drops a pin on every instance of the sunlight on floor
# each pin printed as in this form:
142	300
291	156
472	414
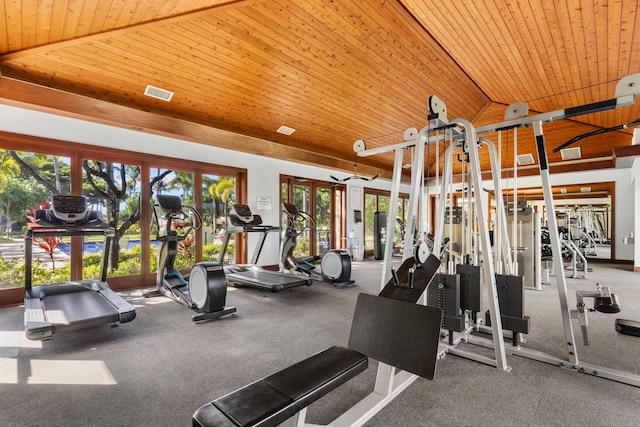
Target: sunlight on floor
8	371
77	372
10	342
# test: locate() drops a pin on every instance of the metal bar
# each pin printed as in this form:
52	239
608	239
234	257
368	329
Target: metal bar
391	218
487	256
555	242
28	259
417	177
441	205
624	98
500	232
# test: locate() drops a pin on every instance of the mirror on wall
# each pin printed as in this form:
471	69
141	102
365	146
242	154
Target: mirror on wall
584	212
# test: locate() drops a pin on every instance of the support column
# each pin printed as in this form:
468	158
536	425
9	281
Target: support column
635	177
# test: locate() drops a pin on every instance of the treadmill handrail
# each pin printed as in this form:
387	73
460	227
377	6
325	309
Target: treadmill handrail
70	231
235	229
67	230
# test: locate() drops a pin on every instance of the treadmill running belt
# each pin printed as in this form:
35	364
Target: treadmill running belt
78	310
267	279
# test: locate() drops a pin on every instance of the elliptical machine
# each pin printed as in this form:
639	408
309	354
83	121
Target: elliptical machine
335	264
204	289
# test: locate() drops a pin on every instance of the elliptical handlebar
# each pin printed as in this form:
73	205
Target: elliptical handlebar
174	210
297	217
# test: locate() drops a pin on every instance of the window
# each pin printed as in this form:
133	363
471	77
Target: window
27	181
218	197
177	183
378	201
113	189
121	186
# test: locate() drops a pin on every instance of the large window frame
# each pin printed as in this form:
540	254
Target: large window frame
77	152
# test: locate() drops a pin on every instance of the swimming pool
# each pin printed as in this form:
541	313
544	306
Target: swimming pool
95	247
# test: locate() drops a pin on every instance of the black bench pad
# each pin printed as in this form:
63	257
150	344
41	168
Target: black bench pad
628	327
273	399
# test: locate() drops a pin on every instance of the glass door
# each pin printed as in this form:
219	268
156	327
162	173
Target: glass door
324	202
323	214
302	200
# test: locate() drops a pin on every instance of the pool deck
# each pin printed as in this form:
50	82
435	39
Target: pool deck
15	250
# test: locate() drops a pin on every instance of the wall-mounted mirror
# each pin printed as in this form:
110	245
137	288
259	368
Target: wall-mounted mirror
584	211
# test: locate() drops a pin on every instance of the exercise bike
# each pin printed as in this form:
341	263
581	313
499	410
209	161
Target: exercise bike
335	264
204	288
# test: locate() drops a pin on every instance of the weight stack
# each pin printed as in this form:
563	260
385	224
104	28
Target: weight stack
470	287
444	293
511	302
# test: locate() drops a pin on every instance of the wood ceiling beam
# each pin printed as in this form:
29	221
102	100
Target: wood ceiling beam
40	98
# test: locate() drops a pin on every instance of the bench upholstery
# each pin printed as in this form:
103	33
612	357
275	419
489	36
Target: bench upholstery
273	399
628	327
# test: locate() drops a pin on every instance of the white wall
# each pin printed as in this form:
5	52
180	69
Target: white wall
263	173
635	171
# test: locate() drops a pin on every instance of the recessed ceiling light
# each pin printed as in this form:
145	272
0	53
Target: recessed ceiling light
563	190
156	92
286	130
525	159
571	153
585	189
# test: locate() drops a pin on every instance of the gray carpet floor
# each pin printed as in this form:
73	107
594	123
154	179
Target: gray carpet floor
158	369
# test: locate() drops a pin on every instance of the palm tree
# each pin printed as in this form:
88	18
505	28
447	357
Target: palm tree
182	181
225	190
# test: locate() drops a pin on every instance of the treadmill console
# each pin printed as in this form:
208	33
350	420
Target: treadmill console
241	215
70	209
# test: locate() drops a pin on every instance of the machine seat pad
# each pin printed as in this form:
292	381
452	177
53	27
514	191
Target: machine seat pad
628	327
273	399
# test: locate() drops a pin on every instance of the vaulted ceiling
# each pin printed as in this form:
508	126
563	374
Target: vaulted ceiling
335	71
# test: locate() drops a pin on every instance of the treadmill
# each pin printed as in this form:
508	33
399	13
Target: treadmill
242	220
74	305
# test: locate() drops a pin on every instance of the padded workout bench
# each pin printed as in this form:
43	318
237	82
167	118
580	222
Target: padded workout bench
628	327
399	333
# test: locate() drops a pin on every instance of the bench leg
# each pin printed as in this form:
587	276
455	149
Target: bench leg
297	420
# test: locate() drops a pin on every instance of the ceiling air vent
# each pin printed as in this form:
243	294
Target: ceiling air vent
571	153
156	92
525	159
285	130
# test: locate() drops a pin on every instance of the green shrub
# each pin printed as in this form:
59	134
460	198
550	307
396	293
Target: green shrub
12	271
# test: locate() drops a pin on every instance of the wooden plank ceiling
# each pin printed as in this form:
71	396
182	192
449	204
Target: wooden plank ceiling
336	71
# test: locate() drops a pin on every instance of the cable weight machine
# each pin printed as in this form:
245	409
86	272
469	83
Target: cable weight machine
626	90
463	133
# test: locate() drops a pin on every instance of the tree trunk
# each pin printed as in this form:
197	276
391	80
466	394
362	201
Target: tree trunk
56	170
8	209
